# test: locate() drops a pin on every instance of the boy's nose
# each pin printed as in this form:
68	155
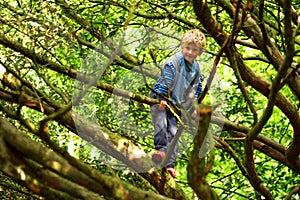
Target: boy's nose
191	52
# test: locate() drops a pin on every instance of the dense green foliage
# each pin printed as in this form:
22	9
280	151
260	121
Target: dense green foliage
76	76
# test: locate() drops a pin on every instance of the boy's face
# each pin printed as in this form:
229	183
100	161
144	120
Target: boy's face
190	51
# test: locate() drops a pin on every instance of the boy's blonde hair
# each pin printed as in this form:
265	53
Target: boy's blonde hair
194	36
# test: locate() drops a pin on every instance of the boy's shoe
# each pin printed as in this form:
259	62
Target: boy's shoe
172	172
158	156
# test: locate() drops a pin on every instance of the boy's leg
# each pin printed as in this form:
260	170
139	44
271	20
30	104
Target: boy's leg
172	130
164	131
159	119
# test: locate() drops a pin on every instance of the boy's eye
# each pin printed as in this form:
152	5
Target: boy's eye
191	49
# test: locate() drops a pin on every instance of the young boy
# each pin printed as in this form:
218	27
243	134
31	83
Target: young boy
180	81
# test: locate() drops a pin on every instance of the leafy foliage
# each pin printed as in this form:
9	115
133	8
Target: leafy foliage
75	80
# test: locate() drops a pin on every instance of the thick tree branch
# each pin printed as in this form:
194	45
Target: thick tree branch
269	49
55	169
114	145
197	165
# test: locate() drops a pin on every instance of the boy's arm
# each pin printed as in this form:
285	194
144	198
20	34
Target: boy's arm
197	94
168	75
166	81
199	87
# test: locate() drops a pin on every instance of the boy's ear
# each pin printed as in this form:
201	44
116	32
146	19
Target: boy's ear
181	47
201	51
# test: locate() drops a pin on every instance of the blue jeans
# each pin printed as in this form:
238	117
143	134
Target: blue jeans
164	130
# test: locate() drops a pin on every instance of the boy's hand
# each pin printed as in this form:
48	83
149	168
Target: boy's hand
163	104
196	114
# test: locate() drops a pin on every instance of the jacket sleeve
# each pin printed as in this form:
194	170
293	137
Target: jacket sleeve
166	81
198	86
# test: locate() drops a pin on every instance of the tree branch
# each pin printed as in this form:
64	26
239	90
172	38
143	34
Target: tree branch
55	169
196	167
